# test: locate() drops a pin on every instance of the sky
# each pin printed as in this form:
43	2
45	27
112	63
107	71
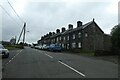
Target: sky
43	16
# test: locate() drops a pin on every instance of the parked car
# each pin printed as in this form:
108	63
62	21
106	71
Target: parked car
44	46
32	46
36	47
40	47
47	47
4	52
55	47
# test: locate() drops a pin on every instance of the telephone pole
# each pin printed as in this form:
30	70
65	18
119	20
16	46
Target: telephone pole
22	32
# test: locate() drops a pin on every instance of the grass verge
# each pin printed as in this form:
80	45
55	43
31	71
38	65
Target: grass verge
13	47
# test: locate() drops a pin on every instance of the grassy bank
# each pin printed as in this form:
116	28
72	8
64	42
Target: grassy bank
13	47
87	53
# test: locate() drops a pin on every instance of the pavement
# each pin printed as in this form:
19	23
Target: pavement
33	63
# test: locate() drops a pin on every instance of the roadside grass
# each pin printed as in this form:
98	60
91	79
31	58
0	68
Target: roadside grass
13	47
87	53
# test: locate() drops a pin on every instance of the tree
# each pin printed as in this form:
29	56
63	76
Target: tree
21	43
116	38
26	44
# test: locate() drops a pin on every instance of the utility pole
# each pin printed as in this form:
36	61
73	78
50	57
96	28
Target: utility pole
23	31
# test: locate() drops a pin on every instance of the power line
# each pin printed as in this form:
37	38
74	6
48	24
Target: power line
19	18
15	11
9	14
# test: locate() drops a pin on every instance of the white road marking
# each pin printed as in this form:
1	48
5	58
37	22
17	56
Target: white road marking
67	65
48	55
9	60
72	68
14	57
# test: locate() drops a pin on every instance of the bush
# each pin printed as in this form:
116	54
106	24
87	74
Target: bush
116	39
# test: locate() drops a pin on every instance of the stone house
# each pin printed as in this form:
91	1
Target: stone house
86	37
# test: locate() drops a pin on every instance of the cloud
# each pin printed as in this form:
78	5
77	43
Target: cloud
45	16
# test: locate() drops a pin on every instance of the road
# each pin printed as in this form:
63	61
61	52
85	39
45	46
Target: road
33	63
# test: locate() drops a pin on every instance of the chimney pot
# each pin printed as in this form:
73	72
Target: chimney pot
79	23
70	26
93	19
58	31
53	33
63	29
50	33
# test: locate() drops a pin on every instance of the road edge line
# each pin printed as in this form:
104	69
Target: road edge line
72	68
14	57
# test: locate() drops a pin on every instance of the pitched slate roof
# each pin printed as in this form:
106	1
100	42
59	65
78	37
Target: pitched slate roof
55	35
77	28
72	30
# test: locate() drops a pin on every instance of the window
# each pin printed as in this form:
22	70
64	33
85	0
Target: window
73	45
86	35
73	36
64	38
60	38
63	45
57	39
60	44
79	45
67	46
67	37
79	34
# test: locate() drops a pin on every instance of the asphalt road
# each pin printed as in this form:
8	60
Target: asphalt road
33	63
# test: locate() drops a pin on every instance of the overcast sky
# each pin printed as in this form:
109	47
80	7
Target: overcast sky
43	16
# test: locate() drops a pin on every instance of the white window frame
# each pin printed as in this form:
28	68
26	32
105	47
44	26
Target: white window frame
73	36
73	45
86	35
64	38
57	39
67	37
79	45
79	35
68	46
60	38
63	45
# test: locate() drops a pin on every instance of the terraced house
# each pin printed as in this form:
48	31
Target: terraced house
86	37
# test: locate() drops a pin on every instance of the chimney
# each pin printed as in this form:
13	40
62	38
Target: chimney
58	31
53	33
70	26
50	33
79	23
93	19
63	29
42	37
47	35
